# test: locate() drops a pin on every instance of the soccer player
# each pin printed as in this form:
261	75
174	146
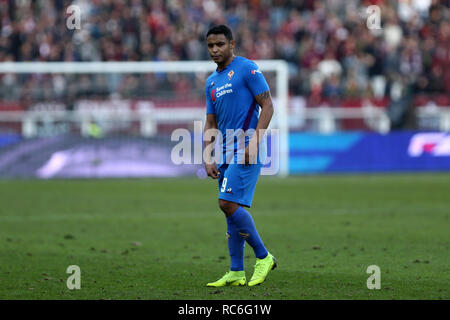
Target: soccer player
235	93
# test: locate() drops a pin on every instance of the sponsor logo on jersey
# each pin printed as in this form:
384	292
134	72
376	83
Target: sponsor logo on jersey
224	90
255	71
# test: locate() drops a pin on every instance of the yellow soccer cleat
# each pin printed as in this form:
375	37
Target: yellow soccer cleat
262	268
231	278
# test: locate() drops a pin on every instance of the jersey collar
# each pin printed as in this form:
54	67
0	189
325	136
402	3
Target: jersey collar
232	61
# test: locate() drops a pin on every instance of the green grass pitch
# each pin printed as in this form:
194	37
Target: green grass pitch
165	238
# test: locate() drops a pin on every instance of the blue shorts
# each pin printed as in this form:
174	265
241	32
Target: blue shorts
237	182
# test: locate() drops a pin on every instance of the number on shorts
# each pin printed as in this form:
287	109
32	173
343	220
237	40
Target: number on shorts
224	185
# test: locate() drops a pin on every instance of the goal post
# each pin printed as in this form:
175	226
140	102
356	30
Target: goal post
278	67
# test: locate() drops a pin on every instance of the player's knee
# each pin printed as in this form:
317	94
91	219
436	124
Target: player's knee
224	206
227	207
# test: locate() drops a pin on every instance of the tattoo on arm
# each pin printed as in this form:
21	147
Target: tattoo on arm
262	96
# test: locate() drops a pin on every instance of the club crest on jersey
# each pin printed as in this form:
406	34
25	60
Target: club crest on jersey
230	74
213	95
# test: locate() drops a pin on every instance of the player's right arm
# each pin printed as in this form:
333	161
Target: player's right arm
208	133
210	124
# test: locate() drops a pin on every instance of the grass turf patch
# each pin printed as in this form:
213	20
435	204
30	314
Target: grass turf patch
165	238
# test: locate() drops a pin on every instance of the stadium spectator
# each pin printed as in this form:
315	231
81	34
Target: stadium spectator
330	51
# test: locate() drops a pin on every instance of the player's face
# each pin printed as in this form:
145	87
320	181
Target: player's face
220	48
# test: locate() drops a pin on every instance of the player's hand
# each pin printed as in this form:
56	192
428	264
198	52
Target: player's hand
211	170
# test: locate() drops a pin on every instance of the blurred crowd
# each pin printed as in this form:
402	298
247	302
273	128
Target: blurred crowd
331	51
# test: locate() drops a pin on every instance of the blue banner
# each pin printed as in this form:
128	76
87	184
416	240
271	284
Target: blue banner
369	152
8	139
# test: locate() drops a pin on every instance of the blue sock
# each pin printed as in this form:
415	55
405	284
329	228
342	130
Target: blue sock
235	247
246	227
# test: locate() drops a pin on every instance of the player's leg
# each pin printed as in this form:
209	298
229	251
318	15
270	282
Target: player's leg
264	260
235	242
236	246
236	275
236	192
244	223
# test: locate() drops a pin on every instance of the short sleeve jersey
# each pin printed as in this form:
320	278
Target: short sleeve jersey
230	95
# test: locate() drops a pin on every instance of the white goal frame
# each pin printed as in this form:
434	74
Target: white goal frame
280	67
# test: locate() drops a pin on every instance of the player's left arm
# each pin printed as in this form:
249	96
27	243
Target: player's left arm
257	84
265	101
